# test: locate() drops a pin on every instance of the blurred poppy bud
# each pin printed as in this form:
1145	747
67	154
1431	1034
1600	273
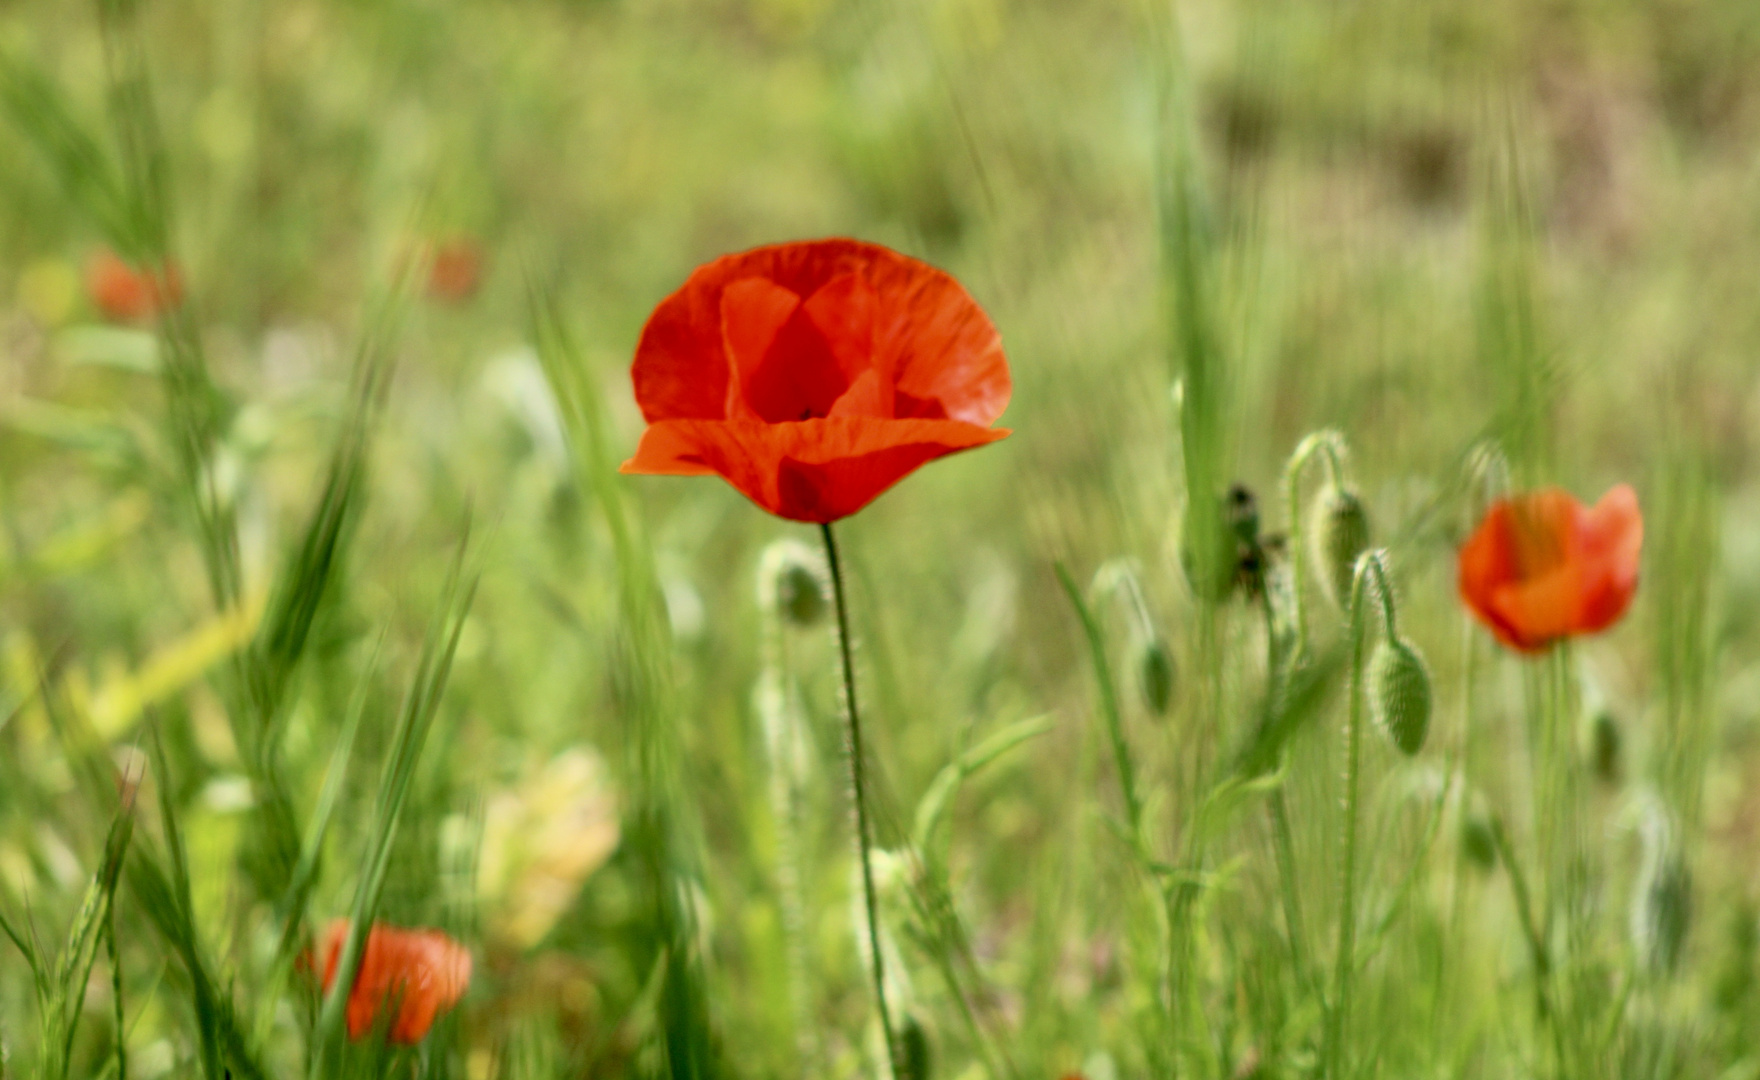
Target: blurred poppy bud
1479	840
1155	675
1338	532
792	582
1602	745
1398	685
915	1056
1662	906
1663	914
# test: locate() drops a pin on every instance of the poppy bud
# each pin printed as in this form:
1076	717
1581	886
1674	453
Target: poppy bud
792	583
1399	694
1155	675
915	1056
1338	532
1478	840
1662	913
1602	745
1662	904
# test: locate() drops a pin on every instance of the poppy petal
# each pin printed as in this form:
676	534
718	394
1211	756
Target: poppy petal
813	470
1541	567
1613	540
753	314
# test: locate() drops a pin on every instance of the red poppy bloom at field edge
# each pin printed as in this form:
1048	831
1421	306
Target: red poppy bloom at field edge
1542	566
813	376
422	972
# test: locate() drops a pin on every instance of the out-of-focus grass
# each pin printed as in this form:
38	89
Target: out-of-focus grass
1427	226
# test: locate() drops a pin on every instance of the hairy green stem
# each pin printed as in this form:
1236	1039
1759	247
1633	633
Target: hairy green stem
1370	567
859	792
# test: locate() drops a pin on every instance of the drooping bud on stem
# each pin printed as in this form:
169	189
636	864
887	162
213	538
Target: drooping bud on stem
1662	901
1336	525
1156	673
1399	694
1602	745
1338	532
1396	681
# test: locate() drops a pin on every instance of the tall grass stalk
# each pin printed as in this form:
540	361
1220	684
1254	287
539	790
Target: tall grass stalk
415	720
655	830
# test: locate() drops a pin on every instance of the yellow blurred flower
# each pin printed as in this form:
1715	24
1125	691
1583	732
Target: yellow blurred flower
542	839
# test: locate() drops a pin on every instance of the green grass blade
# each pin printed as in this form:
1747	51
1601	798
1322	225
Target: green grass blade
415	720
654	831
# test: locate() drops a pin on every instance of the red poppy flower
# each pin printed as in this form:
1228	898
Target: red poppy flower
1542	566
422	972
455	269
813	376
124	293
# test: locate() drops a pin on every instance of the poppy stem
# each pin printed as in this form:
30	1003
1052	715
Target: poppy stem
859	790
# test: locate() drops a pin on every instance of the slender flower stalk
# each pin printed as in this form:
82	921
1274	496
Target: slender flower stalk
859	793
1371	573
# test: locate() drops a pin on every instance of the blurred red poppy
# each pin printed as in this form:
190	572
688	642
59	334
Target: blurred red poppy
813	376
1542	566
124	293
455	269
421	972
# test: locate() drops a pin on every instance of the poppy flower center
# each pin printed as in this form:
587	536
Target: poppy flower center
1540	540
794	358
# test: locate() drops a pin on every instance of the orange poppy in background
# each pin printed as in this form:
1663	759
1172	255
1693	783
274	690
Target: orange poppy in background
124	293
813	376
455	269
423	973
1542	566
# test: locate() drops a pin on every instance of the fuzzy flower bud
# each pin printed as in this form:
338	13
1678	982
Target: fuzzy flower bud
1478	840
1155	675
1338	532
792	582
1399	694
1662	904
915	1055
1602	745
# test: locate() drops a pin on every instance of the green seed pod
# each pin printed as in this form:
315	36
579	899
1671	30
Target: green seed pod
1662	912
1398	687
800	595
1338	532
1478	840
1602	745
1155	675
915	1056
792	583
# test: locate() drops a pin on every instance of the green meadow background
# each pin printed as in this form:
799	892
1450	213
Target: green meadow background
322	599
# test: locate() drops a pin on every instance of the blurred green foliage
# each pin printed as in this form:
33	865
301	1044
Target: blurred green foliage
230	544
